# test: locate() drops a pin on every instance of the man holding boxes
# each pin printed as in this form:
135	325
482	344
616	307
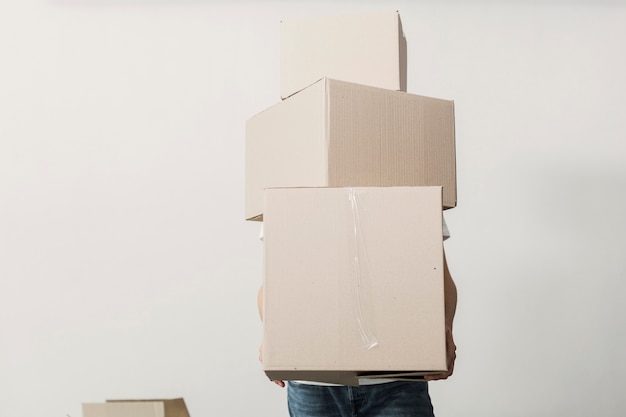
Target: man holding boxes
349	174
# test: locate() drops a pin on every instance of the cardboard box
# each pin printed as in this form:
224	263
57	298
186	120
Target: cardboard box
340	134
137	408
366	48
353	283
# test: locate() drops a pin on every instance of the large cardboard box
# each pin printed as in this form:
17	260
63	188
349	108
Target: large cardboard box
353	283
365	48
137	408
338	134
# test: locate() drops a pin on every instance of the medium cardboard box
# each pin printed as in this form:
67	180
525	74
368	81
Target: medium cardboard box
340	134
365	48
137	408
353	283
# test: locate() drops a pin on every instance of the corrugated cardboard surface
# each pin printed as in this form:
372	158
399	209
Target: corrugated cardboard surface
336	133
353	283
365	48
137	408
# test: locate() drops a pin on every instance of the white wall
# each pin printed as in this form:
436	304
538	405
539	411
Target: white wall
127	270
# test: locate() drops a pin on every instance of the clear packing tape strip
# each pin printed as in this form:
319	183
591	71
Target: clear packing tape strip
361	276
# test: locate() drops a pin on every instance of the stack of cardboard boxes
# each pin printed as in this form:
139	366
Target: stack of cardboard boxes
349	174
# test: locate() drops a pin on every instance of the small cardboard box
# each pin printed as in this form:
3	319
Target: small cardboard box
340	134
353	284
137	408
366	48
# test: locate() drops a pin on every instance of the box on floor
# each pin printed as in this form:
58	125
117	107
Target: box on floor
137	408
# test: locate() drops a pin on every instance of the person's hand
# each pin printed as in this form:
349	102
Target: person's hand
277	382
451	357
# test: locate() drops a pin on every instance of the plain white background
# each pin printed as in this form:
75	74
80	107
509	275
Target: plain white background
127	269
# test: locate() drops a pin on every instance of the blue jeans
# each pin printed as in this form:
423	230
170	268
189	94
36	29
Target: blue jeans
391	399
